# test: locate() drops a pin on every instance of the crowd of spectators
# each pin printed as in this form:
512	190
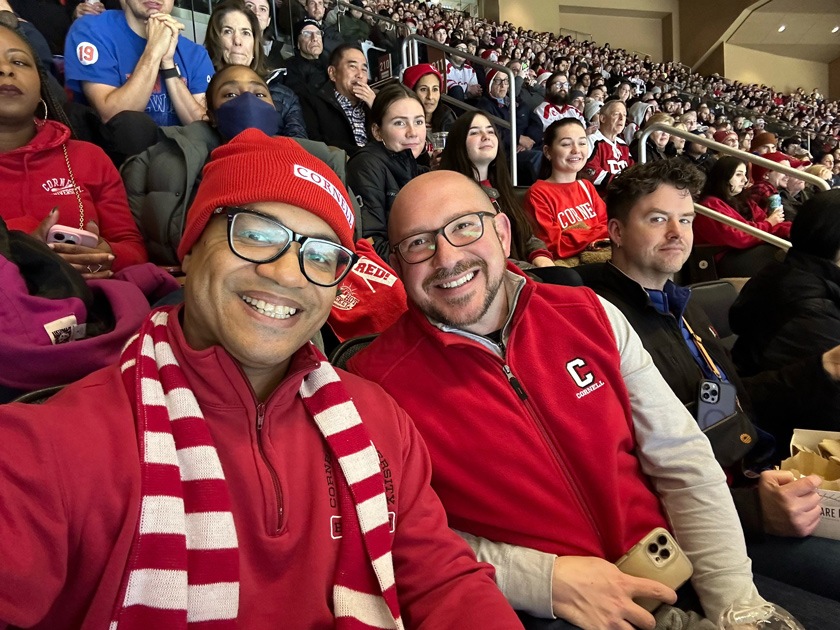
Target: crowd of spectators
666	86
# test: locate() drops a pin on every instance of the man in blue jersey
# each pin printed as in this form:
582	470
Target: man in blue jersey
136	61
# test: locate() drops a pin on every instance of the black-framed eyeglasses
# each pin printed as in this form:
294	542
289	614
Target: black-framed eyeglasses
460	231
260	239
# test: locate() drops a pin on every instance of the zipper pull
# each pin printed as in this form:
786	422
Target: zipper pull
517	386
260	416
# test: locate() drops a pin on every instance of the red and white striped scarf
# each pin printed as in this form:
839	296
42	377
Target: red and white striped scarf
183	568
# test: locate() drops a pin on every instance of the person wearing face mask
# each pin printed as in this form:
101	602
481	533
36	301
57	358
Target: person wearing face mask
233	38
161	182
380	169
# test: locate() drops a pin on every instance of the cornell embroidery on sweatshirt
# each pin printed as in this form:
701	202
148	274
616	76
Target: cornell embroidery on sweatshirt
58	186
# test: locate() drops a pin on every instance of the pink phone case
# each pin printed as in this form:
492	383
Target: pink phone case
72	236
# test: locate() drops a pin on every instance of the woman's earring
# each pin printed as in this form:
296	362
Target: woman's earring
41	123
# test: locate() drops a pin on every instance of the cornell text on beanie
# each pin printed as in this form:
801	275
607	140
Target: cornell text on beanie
326	185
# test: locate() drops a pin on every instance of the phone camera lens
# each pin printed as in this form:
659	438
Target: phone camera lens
59	236
653	547
665	554
662	540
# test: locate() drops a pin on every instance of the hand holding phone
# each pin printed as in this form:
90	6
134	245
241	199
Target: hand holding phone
72	236
658	557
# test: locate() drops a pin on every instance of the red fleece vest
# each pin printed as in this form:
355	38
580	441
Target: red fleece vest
552	468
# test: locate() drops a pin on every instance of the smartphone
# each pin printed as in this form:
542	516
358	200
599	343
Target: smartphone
72	236
658	557
715	401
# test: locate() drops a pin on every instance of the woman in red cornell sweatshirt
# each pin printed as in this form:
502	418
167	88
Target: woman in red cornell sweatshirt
568	214
49	178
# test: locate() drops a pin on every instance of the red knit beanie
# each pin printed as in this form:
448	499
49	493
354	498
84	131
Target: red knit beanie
254	167
413	74
758	172
488	79
721	135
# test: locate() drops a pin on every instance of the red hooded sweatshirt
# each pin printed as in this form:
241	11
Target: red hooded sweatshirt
36	179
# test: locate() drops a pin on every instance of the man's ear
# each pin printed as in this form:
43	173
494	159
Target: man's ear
186	263
396	263
331	73
614	228
501	223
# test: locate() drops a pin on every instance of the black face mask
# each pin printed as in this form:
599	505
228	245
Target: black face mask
246	111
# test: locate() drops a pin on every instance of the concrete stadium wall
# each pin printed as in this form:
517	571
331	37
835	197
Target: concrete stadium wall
834	80
643	35
784	73
679	30
630	24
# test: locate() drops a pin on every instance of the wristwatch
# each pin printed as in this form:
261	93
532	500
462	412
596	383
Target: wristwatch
170	73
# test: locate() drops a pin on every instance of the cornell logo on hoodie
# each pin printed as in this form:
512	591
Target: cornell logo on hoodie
58	186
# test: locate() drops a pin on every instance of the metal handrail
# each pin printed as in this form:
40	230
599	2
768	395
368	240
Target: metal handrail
741	155
410	58
733	109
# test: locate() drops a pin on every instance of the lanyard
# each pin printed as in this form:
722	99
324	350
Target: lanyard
699	343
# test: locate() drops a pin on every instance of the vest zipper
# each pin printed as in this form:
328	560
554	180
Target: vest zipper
564	467
278	495
517	386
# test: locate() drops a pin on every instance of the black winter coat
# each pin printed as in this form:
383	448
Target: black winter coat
289	116
326	121
786	317
305	76
376	175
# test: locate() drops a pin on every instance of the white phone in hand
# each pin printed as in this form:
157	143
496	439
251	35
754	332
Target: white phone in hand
658	557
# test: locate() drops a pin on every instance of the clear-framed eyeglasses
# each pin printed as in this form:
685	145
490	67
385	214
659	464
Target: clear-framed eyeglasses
460	231
259	238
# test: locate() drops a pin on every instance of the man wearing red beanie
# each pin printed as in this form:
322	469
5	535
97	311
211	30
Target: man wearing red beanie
223	473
